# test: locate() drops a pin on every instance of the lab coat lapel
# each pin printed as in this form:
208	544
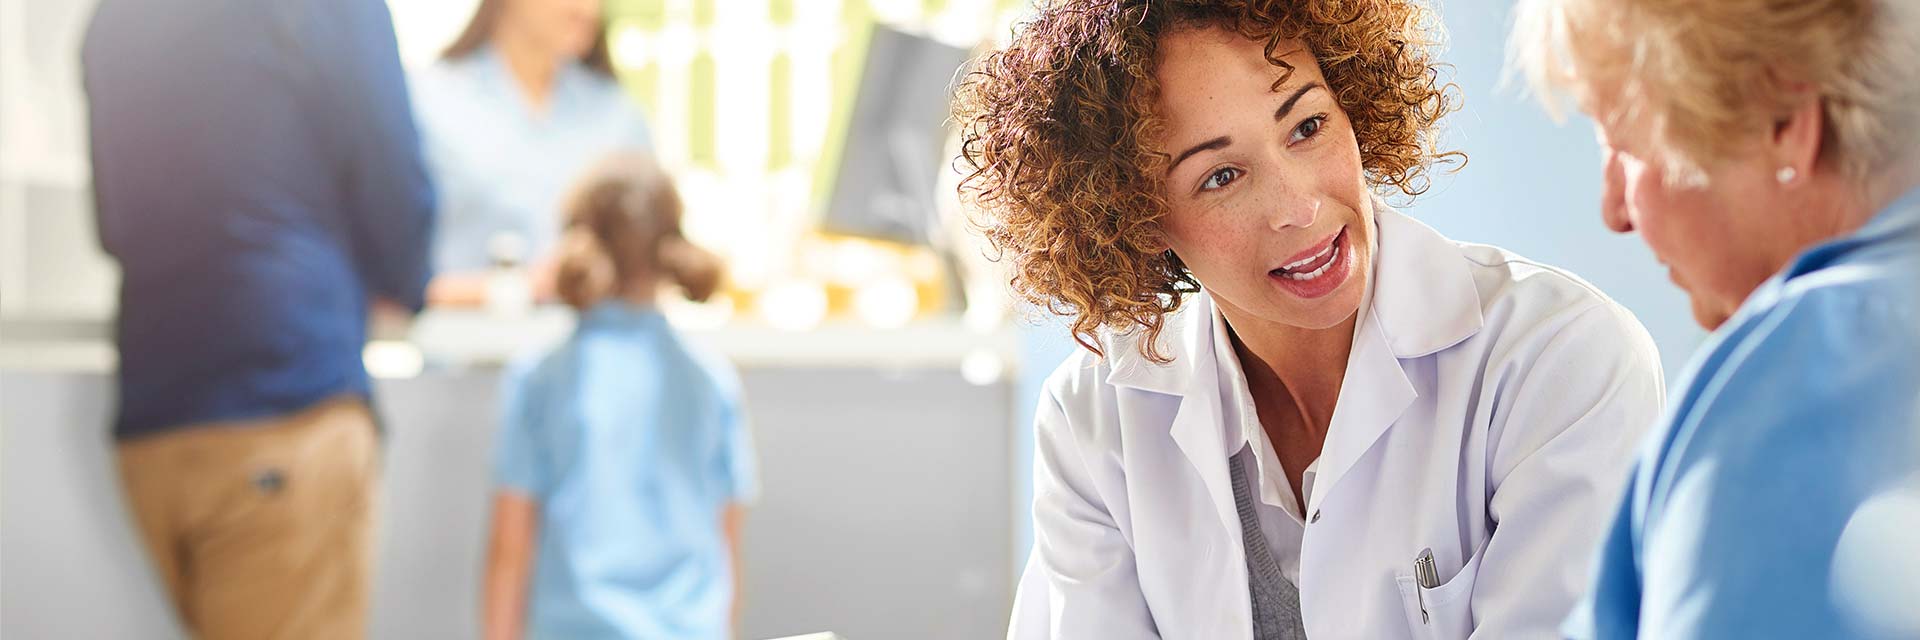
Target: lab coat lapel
1197	431
1193	381
1375	392
1421	300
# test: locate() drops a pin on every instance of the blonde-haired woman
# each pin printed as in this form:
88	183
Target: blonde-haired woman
1769	154
623	454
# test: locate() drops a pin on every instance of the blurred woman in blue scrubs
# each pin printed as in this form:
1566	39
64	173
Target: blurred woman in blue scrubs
516	107
623	456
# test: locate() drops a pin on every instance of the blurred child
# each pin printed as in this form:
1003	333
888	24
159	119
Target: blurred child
623	456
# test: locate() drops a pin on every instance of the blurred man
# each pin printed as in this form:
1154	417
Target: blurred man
258	177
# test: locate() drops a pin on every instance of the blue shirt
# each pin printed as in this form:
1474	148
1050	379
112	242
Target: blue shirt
502	167
257	175
1802	408
632	443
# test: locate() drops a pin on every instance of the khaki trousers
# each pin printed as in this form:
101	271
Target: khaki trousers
261	528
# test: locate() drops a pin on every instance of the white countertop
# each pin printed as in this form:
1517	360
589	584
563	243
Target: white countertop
461	338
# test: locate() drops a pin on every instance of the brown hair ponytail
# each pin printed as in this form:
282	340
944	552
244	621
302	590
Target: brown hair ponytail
623	222
696	270
585	273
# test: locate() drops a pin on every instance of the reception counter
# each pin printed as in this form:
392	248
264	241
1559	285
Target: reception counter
887	507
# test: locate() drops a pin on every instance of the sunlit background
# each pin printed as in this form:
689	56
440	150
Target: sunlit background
889	378
749	104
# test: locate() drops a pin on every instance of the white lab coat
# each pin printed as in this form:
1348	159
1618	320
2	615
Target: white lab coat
1490	410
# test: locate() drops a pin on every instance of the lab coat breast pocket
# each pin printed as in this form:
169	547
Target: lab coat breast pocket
1443	612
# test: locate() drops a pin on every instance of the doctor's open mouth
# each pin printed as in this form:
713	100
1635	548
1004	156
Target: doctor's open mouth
1317	271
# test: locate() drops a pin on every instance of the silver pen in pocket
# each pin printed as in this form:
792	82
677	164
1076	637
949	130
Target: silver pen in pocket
1424	571
1427	577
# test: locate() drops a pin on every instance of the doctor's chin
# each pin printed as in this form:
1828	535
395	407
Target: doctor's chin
960	319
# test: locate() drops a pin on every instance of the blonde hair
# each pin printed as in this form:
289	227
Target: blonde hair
622	223
1699	72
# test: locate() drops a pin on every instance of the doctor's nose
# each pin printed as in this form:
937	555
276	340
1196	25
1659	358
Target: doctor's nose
1292	210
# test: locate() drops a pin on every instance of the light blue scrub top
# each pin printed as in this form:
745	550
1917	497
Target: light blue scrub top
632	443
1800	409
502	167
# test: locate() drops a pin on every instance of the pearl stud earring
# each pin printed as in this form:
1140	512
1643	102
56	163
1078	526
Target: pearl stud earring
1786	175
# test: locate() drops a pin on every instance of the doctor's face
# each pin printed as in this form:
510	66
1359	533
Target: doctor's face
1268	205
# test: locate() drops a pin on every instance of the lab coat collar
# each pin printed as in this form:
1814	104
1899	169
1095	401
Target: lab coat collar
1187	336
1423	295
1421	300
1192	378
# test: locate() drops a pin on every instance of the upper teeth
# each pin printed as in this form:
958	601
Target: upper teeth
1314	273
1311	259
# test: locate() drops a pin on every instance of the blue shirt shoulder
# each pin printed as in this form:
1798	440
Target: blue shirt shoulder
258	177
1803	408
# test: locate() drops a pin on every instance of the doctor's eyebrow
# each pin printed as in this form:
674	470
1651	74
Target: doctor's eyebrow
1210	145
1287	107
1223	142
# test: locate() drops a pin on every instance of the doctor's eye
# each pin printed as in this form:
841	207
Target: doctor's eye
1221	178
1308	128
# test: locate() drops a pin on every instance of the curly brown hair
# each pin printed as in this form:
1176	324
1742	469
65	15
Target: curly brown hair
1058	129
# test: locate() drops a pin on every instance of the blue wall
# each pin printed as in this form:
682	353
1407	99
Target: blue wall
1531	186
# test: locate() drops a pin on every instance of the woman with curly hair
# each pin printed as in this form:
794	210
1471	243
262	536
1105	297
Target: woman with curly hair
1301	412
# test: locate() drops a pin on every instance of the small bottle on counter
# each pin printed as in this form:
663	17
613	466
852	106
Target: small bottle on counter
509	291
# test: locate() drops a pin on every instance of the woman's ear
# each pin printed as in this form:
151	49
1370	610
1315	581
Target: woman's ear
1796	140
